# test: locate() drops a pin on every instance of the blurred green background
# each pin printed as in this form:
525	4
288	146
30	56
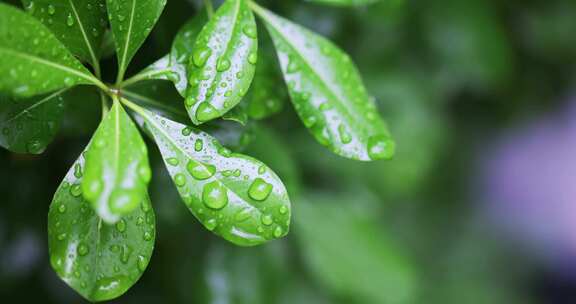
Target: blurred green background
453	79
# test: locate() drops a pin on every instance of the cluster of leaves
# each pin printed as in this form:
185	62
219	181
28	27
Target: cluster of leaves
101	224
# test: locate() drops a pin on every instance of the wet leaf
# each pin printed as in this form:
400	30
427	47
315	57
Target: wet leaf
34	61
131	22
223	62
79	24
173	66
29	125
99	261
233	195
327	92
117	169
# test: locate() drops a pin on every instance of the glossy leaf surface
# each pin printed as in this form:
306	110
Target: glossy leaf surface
29	125
235	196
341	239
223	62
34	61
344	2
79	24
131	22
173	66
98	260
327	92
117	168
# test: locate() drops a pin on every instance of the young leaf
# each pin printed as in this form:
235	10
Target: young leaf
79	24
117	169
223	62
173	66
235	196
98	260
34	61
29	125
327	92
131	22
344	2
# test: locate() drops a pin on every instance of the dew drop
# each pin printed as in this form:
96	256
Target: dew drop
214	195
198	145
34	147
266	219
259	190
173	161
211	224
121	225
223	65
76	190
345	137
62	208
83	250
200	171
200	56
380	147
278	232
77	171
206	112
250	31
51	9
252	58
142	263
69	20
180	180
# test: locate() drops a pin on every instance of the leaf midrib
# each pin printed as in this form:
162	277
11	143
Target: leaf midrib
88	44
227	48
34	105
128	36
174	144
343	109
50	63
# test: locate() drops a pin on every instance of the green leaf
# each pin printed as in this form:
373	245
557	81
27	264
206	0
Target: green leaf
327	92
79	24
223	62
98	260
346	2
131	22
33	60
235	196
117	169
346	250
173	66
29	125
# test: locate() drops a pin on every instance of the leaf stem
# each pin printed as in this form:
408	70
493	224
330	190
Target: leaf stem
136	108
142	76
209	8
104	105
